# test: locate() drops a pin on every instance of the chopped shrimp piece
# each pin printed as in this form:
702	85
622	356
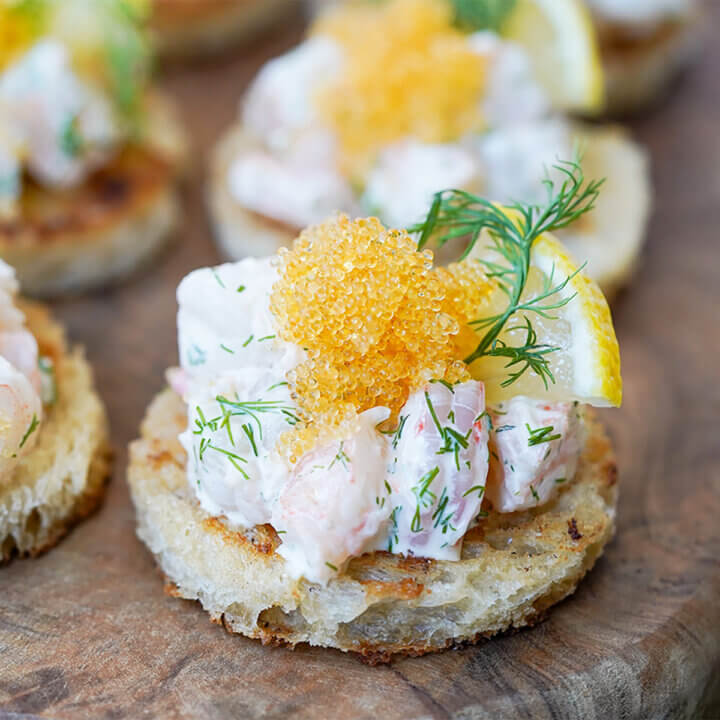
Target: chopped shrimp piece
331	508
20	415
20	349
534	448
438	474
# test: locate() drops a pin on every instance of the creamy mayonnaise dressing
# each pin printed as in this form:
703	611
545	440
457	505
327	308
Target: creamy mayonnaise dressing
641	12
53	123
415	490
21	408
522	139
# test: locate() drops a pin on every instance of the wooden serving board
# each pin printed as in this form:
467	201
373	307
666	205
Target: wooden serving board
87	632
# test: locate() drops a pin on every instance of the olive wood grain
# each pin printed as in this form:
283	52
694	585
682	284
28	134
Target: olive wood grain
87	632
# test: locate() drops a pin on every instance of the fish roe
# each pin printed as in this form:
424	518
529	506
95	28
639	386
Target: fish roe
467	291
370	311
408	72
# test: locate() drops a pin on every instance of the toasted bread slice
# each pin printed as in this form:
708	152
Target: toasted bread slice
101	230
609	241
513	567
189	28
63	478
640	68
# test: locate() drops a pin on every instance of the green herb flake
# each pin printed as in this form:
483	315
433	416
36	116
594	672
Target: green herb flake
31	429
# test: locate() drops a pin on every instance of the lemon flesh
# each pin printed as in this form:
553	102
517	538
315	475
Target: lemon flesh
586	364
560	38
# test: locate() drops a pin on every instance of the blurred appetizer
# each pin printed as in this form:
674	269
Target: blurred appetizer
199	27
386	103
89	155
364	451
54	453
644	44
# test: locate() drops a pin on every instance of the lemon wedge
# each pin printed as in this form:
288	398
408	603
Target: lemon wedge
561	40
585	361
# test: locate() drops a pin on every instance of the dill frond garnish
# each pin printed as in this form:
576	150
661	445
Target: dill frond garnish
456	214
473	15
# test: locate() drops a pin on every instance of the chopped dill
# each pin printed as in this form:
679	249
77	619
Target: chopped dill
227	349
393	539
331	566
538	436
446	384
71	142
480	489
441	519
250	433
217	277
241	288
31	429
48	380
340	457
453	441
248	341
196	356
266	337
474	15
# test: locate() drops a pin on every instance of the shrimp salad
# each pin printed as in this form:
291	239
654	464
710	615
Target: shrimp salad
342	121
26	380
69	76
407	475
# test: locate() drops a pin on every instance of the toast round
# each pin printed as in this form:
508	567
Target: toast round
62	480
191	28
639	69
513	567
609	240
92	234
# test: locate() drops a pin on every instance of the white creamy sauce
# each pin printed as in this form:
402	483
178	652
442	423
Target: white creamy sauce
534	450
415	491
21	408
641	12
401	186
513	95
516	159
280	101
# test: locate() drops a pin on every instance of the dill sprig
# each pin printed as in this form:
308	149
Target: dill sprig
512	231
473	15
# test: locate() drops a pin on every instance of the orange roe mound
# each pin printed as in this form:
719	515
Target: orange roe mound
370	311
408	72
467	291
